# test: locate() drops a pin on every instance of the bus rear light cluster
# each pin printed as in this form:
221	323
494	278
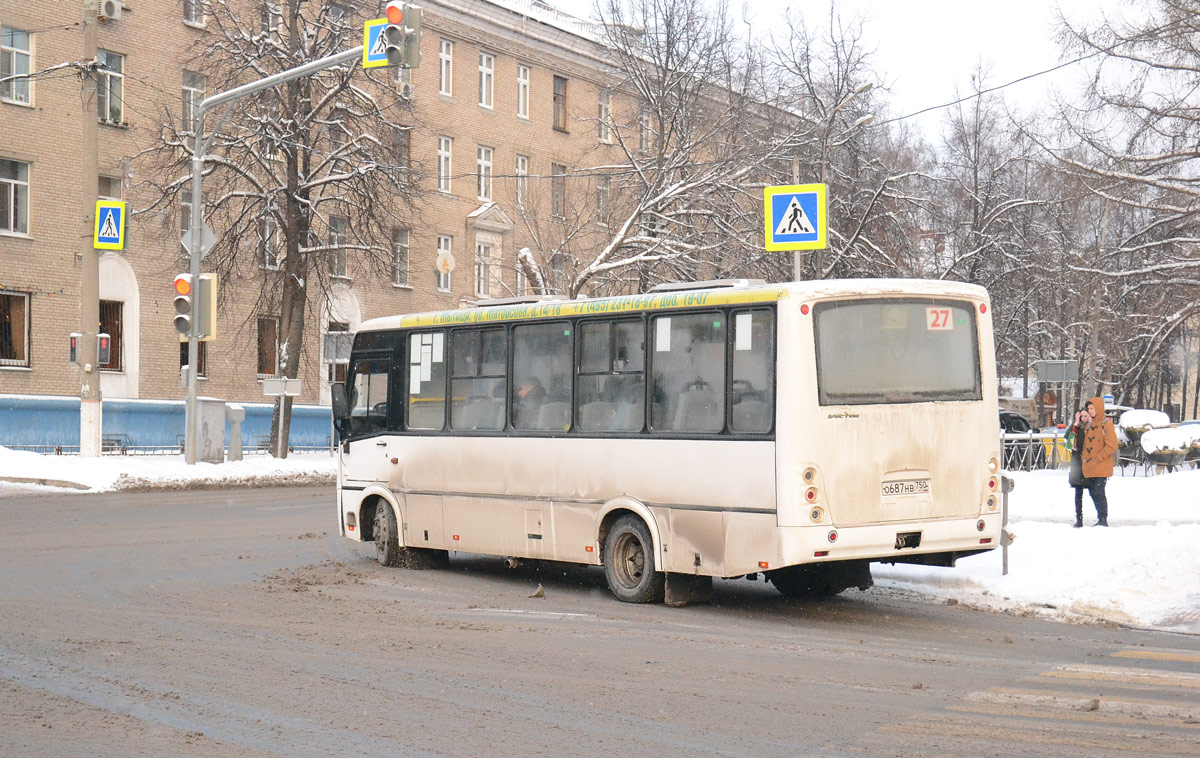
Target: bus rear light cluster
993	465
985	541
993	483
764	565
810	494
810	475
804	309
820	553
832	536
980	525
815	514
991	502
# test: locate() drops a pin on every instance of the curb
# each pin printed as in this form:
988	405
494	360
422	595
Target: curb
45	482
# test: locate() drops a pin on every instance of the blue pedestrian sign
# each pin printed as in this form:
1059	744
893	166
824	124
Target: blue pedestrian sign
795	217
374	49
110	225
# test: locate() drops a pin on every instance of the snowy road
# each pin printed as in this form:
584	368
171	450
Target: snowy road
232	623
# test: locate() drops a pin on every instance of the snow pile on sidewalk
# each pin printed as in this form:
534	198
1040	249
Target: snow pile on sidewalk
1143	570
135	472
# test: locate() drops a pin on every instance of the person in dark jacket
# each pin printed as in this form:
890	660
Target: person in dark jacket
1075	440
1099	446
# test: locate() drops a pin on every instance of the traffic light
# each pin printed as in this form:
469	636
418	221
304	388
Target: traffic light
402	35
103	349
74	342
183	304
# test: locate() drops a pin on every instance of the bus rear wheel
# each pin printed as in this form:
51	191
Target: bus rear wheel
821	579
629	562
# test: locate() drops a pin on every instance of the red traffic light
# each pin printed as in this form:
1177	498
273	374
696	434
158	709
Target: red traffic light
395	13
183	284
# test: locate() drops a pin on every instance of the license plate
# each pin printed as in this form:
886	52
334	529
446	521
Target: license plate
906	487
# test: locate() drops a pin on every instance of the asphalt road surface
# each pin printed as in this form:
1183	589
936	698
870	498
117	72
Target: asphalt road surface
238	623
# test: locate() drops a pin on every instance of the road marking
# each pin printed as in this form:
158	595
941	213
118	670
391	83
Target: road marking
1140	708
1126	675
1158	655
546	614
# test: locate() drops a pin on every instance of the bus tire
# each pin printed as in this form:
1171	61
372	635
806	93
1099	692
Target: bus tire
812	581
629	562
387	536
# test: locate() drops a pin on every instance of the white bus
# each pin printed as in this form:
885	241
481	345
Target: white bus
720	429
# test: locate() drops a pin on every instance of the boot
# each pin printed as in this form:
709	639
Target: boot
1101	522
1079	522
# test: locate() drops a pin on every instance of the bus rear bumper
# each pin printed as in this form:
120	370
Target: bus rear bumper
937	542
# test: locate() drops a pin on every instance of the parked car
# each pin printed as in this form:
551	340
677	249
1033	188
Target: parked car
1013	423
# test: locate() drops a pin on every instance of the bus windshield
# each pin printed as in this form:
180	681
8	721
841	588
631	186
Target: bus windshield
896	351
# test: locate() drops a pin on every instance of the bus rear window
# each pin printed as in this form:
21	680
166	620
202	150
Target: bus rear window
896	351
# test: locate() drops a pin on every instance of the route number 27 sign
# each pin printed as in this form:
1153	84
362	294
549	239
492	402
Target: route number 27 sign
938	320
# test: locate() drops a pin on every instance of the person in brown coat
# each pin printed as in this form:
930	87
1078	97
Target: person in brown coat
1099	445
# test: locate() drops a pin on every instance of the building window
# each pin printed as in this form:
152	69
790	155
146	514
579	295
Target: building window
110	324
523	91
400	257
193	94
337	241
268	345
446	68
108	188
483	165
487	66
268	242
558	190
14	328
201	357
337	368
401	144
522	280
443	277
560	103
14	196
522	179
603	187
110	87
483	270
445	146
604	118
193	12
15	61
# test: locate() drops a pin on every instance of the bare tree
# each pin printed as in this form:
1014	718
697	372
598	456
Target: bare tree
304	182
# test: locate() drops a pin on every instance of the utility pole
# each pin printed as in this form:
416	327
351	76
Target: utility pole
90	407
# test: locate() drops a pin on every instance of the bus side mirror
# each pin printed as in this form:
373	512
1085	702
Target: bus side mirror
341	406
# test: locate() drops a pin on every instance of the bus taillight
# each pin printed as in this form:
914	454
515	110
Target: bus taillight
832	536
980	525
810	494
815	514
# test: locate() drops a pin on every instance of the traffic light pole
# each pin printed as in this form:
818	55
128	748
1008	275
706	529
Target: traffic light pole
197	223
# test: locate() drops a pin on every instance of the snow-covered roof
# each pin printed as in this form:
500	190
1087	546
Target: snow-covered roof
1144	418
547	14
1173	438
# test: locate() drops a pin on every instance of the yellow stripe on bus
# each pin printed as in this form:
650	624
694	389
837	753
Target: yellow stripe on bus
568	308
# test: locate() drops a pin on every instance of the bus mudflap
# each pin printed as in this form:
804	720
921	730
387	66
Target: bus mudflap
685	589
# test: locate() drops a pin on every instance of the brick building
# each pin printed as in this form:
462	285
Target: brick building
509	104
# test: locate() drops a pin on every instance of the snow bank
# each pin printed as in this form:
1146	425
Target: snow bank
1143	570
133	472
1176	438
1142	418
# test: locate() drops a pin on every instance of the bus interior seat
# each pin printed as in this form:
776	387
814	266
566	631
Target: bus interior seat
697	411
751	415
554	416
597	416
426	415
480	413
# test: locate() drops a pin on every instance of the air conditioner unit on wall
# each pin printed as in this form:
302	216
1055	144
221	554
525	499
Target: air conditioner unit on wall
111	9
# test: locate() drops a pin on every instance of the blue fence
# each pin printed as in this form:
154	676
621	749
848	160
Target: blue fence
52	421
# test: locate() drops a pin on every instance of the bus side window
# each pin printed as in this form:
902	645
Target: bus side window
688	372
426	408
541	386
369	396
477	382
752	386
611	386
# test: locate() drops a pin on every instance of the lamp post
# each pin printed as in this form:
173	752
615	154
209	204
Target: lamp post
862	121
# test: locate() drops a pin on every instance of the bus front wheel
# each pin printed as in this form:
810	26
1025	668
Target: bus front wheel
387	536
629	562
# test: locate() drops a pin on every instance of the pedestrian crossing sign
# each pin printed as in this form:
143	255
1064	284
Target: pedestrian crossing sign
374	51
110	225
795	217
